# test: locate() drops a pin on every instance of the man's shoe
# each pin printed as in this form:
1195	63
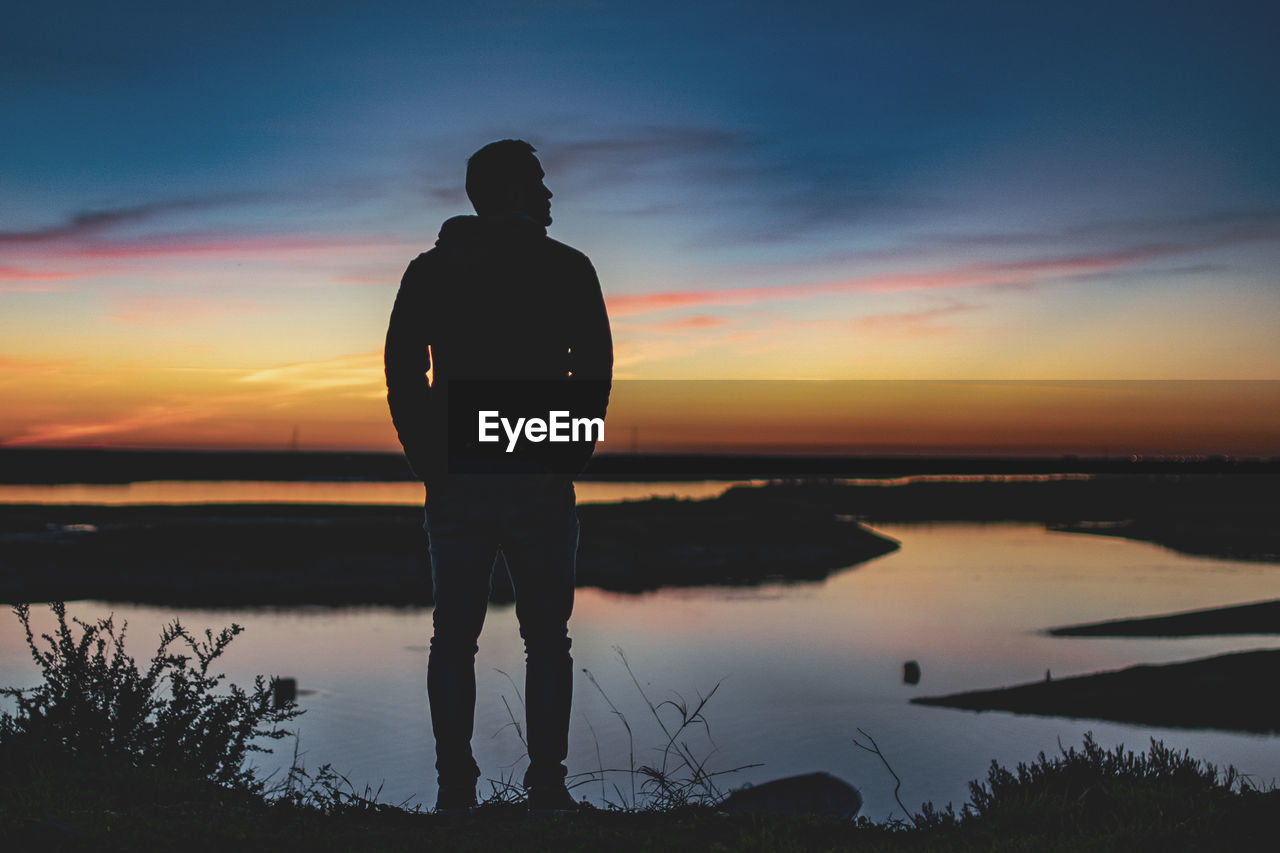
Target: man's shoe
551	800
455	799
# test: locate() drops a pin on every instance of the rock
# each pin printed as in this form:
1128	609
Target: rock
812	793
283	691
911	672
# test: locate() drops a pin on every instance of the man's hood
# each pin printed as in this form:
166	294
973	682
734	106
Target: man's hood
476	232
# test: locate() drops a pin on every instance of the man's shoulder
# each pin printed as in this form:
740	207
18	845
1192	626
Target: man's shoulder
424	264
442	260
565	253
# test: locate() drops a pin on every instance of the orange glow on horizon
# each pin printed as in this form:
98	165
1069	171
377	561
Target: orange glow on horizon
339	404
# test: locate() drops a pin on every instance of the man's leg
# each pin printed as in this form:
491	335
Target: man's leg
540	542
462	554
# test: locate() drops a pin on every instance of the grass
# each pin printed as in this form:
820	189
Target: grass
679	776
107	755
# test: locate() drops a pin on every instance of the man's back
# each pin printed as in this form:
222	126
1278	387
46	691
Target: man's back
509	302
496	299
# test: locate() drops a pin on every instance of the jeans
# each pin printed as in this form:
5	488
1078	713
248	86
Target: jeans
534	523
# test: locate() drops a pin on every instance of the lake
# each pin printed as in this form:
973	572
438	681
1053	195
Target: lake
800	666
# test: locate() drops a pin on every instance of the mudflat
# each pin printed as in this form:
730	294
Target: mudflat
1234	692
280	554
1259	617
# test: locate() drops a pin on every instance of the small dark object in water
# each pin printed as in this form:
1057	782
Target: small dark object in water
283	691
911	672
812	793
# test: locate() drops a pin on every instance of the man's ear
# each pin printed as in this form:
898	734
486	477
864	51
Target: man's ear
510	200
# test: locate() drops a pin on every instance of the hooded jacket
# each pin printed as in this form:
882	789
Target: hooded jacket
497	306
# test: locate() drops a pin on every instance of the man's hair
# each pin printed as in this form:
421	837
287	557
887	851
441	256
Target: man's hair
495	169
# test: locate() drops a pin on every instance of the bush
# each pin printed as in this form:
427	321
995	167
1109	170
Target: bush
1113	794
1088	780
96	705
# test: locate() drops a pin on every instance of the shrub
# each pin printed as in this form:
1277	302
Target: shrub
1094	791
95	704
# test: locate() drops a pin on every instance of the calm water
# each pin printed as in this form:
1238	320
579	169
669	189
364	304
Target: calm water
152	492
365	493
800	667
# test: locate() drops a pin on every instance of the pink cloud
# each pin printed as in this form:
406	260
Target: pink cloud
92	259
967	275
31	288
367	278
221	245
697	321
18	280
17	274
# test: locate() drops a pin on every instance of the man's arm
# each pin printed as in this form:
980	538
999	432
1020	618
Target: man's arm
591	355
406	360
592	349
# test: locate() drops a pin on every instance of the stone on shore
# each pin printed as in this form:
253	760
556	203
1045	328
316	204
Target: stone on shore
812	793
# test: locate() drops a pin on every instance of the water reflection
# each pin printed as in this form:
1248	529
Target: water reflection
361	493
799	667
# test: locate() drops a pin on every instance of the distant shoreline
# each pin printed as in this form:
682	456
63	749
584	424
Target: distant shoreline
45	466
791	530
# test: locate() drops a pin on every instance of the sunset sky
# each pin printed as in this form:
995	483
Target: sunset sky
205	209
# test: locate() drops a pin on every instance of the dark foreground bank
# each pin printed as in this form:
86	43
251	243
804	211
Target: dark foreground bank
106	754
1087	800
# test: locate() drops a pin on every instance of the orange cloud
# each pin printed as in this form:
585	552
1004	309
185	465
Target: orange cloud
166	310
338	401
13	365
910	324
697	321
682	324
630	353
361	370
147	417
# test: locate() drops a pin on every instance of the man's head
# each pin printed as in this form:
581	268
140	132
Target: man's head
505	178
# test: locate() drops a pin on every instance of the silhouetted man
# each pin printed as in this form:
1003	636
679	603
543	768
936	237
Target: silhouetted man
508	320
